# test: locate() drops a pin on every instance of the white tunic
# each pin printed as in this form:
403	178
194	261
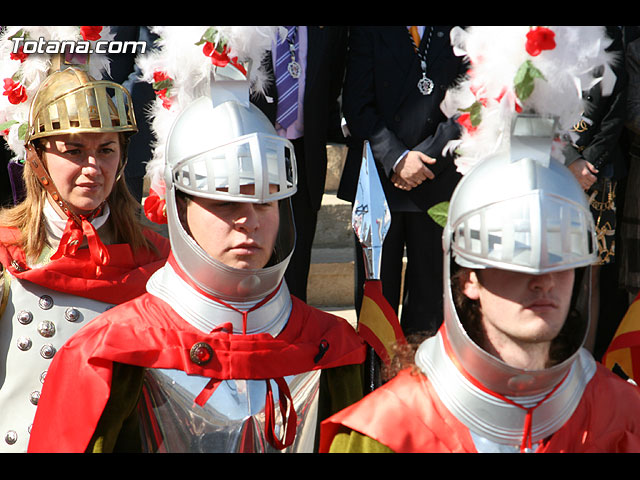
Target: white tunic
34	324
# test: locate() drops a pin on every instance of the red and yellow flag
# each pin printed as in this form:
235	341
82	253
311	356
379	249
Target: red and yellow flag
624	349
378	323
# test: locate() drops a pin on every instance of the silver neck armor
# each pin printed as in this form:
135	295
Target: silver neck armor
493	419
206	314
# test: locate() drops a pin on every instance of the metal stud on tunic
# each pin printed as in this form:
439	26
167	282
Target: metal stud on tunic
46	328
11	437
47	351
24	317
45	302
24	343
72	314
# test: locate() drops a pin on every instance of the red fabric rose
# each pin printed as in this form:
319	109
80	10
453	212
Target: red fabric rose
539	39
160	76
14	91
220	59
155	208
19	55
161	84
91	32
465	120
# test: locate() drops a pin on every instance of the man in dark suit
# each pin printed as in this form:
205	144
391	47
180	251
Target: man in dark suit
383	103
321	53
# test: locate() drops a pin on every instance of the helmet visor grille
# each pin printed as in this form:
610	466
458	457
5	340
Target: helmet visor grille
265	161
534	233
95	107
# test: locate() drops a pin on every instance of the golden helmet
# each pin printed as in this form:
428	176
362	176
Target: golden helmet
71	101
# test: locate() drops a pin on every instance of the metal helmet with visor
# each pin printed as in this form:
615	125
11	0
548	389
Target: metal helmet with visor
218	144
519	210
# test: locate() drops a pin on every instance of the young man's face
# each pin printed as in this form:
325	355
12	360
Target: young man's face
519	309
240	235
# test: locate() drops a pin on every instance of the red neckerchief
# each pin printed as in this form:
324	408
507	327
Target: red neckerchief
72	239
124	277
526	431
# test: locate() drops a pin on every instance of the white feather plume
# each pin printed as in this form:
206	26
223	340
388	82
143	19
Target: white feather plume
178	54
575	64
33	71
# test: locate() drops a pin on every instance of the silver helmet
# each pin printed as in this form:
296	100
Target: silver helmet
217	144
519	210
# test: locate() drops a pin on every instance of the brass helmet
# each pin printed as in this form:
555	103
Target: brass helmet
71	101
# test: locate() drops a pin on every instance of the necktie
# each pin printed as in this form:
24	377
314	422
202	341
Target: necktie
286	85
413	30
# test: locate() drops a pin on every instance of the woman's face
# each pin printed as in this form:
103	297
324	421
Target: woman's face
83	168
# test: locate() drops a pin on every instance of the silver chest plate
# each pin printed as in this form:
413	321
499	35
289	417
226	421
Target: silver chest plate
233	419
35	324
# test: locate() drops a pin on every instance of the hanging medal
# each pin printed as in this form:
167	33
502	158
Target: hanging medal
293	67
425	84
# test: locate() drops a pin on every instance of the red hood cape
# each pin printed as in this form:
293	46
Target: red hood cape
124	278
147	332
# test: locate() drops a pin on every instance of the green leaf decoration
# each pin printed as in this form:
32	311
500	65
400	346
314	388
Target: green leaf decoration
475	113
524	79
22	131
5	125
439	213
157	86
210	36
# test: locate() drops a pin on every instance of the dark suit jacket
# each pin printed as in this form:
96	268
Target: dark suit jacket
324	74
599	140
381	103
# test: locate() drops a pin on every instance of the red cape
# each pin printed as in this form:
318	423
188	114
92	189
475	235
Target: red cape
147	332
124	278
597	425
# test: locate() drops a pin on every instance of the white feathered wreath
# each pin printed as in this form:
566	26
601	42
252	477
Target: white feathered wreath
514	69
23	73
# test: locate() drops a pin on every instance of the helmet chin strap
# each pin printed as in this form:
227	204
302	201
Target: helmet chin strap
78	226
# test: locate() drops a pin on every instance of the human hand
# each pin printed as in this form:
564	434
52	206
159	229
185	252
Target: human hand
584	172
412	170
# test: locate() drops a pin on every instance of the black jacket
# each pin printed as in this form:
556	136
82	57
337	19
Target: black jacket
381	103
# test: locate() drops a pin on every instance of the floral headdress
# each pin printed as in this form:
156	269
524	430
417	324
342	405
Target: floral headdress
523	69
180	69
22	73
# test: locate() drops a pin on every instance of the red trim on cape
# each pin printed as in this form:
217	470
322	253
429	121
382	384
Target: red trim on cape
148	332
123	278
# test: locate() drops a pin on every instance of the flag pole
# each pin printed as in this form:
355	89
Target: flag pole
378	323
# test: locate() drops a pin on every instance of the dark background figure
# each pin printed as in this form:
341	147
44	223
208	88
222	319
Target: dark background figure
6	196
382	104
629	258
599	143
124	71
322	57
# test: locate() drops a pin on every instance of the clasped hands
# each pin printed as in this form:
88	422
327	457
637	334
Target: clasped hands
412	170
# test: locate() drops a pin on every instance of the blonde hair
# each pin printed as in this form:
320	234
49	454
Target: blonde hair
125	220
